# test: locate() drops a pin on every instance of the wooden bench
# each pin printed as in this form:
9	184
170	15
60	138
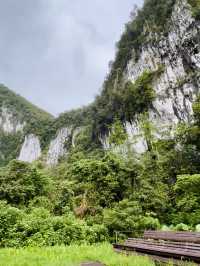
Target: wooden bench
164	246
188	237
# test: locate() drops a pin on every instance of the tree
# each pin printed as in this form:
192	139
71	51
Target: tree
126	217
100	181
20	182
187	189
118	134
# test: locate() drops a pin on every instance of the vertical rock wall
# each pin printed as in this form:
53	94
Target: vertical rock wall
30	150
8	121
176	88
179	54
57	146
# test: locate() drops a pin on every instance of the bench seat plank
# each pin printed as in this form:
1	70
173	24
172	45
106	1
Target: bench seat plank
186	246
191	237
162	251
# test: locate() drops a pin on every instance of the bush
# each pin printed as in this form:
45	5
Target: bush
181	227
20	182
127	216
99	181
150	223
187	199
197	228
9	217
165	228
40	228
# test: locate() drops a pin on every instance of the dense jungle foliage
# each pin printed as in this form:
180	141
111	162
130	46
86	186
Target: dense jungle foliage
92	194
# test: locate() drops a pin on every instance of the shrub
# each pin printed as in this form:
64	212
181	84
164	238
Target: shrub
150	223
165	228
118	134
181	227
39	227
20	182
197	228
127	216
9	217
187	199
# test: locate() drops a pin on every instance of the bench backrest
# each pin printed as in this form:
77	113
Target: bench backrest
188	237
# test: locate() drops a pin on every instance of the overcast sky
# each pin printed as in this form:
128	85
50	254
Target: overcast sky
56	52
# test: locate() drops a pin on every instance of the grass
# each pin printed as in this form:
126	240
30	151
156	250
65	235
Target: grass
69	256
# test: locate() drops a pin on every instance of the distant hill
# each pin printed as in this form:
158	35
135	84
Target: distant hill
18	117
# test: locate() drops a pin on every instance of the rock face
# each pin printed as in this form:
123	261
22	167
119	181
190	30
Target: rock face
57	146
178	53
177	87
135	140
138	142
20	118
30	150
8	122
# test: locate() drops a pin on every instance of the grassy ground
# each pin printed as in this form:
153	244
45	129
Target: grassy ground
68	256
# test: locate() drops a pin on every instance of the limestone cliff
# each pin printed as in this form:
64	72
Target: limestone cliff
57	146
176	88
8	121
30	150
21	126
